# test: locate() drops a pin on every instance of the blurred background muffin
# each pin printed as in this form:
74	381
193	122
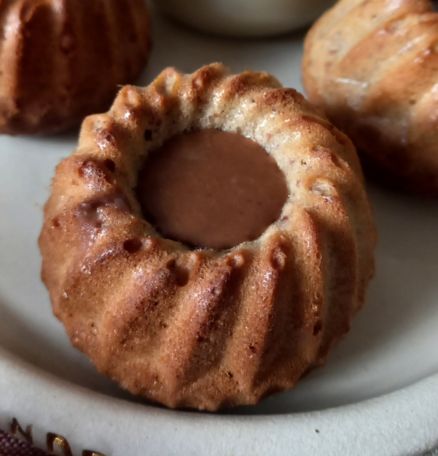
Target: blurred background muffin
63	59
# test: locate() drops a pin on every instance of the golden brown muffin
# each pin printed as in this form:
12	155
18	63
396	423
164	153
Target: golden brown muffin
373	68
198	327
63	59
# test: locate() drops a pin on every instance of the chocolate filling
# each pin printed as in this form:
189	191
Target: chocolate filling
211	188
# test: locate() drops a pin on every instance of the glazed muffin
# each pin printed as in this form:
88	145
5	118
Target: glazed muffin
373	68
63	59
156	274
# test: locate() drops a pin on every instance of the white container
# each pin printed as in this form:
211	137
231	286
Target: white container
248	18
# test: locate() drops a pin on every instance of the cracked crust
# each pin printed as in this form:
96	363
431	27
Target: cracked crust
373	68
63	59
203	328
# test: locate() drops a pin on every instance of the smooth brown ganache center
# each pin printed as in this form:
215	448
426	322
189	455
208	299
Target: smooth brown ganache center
210	188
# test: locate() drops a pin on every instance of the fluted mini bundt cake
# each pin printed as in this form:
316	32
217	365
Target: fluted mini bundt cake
372	66
221	321
63	59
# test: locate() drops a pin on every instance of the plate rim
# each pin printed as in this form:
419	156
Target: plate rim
308	429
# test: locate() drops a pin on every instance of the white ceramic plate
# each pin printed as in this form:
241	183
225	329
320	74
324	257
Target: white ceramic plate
378	394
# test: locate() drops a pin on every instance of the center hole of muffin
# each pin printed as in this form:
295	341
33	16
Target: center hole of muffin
210	188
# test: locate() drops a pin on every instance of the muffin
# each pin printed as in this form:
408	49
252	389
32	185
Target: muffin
62	60
373	69
158	277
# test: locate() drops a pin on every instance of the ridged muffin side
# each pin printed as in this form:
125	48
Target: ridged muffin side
63	59
203	328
